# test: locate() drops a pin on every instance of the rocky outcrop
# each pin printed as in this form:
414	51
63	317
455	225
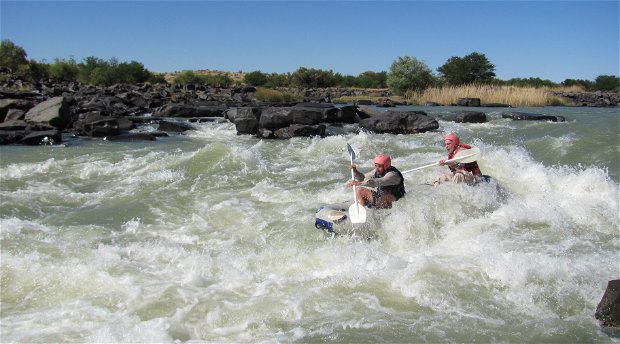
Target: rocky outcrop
594	99
399	122
523	116
466	117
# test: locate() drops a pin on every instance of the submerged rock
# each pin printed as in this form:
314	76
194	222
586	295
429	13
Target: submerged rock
608	310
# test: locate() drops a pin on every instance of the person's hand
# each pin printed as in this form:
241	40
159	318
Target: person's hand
350	183
442	162
353	168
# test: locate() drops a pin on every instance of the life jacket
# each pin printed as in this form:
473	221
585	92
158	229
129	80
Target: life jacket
397	190
469	167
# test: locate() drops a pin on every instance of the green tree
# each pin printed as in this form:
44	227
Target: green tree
473	68
67	70
255	78
409	74
586	84
278	80
607	83
132	72
88	65
12	55
310	77
370	79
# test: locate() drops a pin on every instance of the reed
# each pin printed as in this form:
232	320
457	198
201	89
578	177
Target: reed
270	95
511	95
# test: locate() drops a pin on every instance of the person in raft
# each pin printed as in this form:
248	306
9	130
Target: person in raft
469	173
389	183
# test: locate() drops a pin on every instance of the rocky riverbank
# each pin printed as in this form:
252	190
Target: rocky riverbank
41	113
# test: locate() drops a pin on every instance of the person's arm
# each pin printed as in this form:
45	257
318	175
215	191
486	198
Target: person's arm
391	178
359	176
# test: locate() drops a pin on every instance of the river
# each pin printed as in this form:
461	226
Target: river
210	237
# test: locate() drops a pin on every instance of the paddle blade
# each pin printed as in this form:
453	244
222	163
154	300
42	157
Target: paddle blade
357	213
467	155
351	152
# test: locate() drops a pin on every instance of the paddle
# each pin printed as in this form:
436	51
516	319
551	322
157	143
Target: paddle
357	213
463	156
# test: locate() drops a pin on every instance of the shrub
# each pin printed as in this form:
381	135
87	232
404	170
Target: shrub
275	96
12	55
256	78
473	68
607	83
408	73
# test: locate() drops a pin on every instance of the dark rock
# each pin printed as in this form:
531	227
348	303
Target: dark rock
187	110
132	137
11	136
48	137
294	130
7	105
522	116
274	118
471	117
400	122
14	125
468	102
496	105
15	114
246	120
608	309
177	127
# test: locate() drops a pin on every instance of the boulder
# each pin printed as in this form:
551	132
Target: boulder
53	112
471	117
522	116
468	102
608	310
177	127
274	118
294	130
48	137
7	105
96	124
190	110
400	122
246	120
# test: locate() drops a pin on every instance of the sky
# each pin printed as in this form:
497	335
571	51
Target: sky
553	40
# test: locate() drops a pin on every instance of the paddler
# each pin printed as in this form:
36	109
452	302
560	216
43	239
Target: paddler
469	173
387	179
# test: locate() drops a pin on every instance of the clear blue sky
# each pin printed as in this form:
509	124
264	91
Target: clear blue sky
552	40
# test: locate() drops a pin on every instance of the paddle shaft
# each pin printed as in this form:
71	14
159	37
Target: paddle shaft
456	159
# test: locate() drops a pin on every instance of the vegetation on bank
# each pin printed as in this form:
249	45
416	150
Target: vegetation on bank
408	79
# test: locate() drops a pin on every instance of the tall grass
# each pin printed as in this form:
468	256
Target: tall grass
270	95
514	96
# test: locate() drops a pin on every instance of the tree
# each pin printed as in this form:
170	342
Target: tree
370	79
310	77
255	78
64	69
409	74
473	68
607	83
12	55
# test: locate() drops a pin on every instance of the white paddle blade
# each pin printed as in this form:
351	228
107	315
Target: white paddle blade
467	155
351	152
357	213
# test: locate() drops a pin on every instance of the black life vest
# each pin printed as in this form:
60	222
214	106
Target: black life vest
469	167
397	190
